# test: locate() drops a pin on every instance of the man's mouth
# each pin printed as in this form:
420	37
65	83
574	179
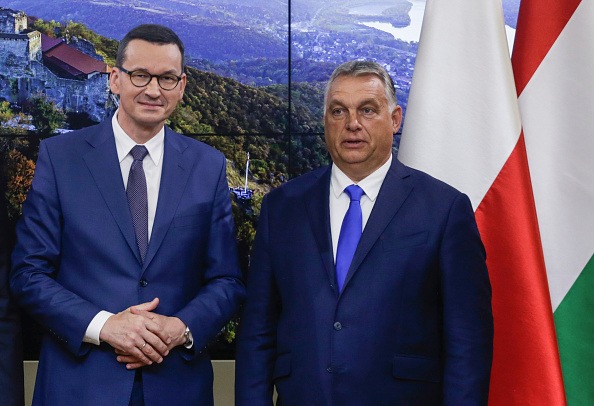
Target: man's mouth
353	143
150	104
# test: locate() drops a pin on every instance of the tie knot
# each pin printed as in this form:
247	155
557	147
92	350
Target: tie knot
354	192
138	152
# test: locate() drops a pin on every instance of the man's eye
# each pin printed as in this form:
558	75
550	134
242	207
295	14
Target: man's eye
140	75
367	110
168	79
337	111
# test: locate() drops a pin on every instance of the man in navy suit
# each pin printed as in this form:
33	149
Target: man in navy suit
407	320
127	243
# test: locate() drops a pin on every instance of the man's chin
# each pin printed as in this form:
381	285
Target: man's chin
151	111
354	157
151	122
152	116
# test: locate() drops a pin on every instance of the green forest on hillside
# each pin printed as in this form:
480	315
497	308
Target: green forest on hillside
227	111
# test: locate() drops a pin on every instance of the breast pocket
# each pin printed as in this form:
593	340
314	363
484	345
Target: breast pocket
391	242
196	219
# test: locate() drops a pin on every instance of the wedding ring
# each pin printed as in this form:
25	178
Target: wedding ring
143	345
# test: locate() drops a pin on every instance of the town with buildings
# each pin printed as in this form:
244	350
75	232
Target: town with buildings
339	48
32	64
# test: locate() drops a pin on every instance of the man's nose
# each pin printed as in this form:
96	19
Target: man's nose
153	89
352	123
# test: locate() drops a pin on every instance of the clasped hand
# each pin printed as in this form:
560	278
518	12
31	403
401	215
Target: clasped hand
140	336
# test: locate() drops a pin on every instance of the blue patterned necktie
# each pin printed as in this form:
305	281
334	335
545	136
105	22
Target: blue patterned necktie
350	233
137	200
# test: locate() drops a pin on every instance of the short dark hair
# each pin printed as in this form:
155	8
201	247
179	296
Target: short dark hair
361	68
154	33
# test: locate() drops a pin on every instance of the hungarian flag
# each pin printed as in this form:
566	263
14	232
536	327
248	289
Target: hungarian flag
463	126
553	62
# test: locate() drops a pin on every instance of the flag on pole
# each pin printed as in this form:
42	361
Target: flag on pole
553	64
463	127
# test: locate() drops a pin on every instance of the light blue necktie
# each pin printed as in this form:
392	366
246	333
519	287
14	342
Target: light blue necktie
350	233
137	198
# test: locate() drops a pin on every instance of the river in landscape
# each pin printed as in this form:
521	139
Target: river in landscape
413	31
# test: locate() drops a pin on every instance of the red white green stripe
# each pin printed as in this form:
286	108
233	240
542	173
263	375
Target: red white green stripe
554	63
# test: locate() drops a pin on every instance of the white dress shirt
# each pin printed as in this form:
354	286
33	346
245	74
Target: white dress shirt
340	201
153	166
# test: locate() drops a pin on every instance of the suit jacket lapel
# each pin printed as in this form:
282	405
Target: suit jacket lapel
176	169
102	161
318	210
392	195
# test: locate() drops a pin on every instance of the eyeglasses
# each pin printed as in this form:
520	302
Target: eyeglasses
141	78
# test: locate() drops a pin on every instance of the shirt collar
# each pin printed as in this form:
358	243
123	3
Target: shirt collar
371	184
124	143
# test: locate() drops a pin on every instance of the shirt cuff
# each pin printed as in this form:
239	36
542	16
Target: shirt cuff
95	326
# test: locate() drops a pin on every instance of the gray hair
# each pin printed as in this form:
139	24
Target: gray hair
361	68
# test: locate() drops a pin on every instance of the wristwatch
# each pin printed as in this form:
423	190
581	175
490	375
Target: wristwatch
189	339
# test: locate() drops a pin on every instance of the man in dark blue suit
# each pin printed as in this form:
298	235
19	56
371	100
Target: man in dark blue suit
127	243
368	284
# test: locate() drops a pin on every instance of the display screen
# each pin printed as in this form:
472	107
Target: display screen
256	75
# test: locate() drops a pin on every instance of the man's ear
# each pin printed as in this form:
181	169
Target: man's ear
114	77
182	85
396	119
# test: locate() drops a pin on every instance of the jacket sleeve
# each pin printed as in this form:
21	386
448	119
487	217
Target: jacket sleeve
223	290
467	318
256	348
36	260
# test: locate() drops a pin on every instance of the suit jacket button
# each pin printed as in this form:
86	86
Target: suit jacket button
329	369
143	283
337	326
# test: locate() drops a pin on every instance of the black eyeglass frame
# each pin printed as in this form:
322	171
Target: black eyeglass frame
130	73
